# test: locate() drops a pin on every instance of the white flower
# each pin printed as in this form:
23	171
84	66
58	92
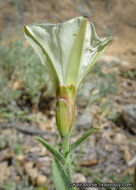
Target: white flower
68	49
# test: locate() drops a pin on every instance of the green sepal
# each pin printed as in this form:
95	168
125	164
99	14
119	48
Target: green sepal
99	182
63	117
65	109
78	142
60	178
52	150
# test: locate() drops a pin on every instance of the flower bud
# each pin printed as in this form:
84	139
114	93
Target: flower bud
65	108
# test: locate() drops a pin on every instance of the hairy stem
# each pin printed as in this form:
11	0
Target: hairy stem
65	145
68	170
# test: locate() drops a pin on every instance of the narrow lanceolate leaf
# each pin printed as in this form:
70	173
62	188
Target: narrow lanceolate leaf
82	138
52	150
79	141
60	178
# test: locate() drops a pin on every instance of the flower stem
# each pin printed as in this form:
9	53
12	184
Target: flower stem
65	145
68	170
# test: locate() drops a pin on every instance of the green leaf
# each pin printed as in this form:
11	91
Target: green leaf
60	178
52	150
79	141
98	181
82	138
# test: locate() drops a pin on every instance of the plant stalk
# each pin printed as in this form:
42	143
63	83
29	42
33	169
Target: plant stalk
68	170
65	145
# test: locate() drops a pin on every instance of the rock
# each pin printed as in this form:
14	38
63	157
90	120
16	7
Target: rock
121	64
113	59
85	121
83	10
78	177
21	157
109	58
31	172
3	143
127	155
41	180
5	172
84	94
127	118
132	161
92	188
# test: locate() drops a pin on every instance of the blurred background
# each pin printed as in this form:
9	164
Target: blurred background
106	99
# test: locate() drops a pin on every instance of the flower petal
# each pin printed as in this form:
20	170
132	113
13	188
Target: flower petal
53	44
35	36
94	47
68	49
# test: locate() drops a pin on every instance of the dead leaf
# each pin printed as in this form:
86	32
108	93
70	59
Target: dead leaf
127	155
41	180
16	84
5	172
78	177
31	171
34	177
89	163
6	155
